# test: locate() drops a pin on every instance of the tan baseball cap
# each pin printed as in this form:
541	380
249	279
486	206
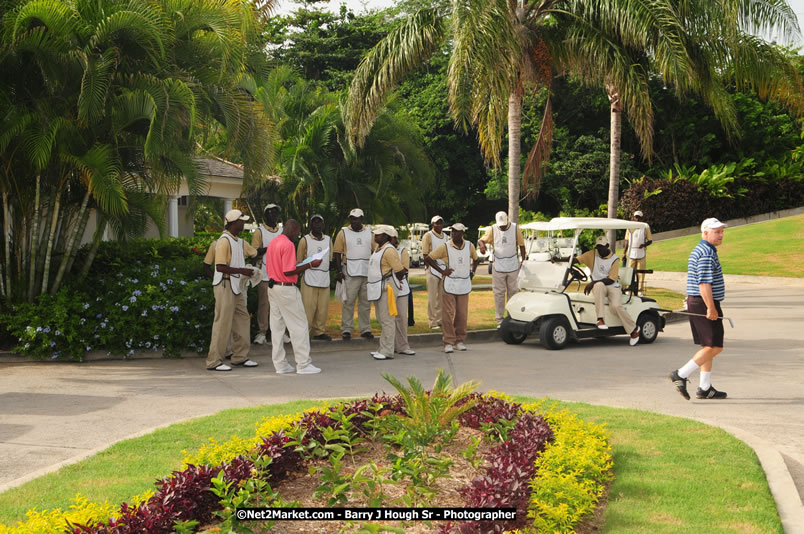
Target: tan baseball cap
459	226
601	240
234	215
638	213
386	229
501	218
357	212
436	218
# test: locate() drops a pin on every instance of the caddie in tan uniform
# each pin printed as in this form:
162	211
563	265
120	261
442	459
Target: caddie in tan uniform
262	237
209	272
354	243
383	282
401	345
461	261
508	241
229	286
636	243
605	269
315	281
435	287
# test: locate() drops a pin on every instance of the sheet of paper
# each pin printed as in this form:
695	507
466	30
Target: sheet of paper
320	255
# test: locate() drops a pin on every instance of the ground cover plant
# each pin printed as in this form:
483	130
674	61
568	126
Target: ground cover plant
761	249
643	497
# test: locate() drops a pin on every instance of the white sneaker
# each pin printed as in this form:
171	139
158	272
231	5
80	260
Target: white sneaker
460	346
380	356
409	352
247	363
634	340
286	370
286	339
259	340
447	348
436	327
221	367
309	370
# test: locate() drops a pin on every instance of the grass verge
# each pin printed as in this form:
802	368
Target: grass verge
762	249
671	474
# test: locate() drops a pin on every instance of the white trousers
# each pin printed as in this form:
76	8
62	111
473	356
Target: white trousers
287	311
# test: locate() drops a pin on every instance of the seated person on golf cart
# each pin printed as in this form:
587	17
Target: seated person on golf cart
604	268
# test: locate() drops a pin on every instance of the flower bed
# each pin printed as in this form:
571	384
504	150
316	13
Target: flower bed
380	452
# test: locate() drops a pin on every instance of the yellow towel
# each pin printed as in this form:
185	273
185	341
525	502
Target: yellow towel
391	301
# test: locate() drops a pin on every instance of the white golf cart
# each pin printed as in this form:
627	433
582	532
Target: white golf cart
551	301
488	256
414	242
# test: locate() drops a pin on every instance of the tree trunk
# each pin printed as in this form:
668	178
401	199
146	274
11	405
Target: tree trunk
7	234
34	240
53	226
614	162
69	250
96	241
82	227
514	154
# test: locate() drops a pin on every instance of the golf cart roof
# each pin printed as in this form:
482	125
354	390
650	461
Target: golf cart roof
583	223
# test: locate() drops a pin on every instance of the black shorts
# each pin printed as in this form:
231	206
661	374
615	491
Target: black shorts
705	333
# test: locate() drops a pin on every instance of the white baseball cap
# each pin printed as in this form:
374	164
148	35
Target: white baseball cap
638	213
234	215
501	218
436	218
317	216
459	226
711	223
357	212
601	240
270	206
386	229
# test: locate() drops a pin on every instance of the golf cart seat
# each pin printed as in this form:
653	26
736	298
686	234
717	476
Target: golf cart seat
625	277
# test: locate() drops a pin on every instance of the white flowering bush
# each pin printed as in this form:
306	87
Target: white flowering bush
142	295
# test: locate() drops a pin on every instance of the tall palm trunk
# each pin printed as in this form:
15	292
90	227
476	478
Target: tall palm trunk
82	227
53	226
7	234
615	153
70	247
34	240
514	154
96	241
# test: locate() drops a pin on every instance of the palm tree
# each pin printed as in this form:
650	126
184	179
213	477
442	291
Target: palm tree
720	52
103	111
500	47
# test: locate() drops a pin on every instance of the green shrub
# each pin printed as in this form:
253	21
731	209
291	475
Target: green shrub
144	294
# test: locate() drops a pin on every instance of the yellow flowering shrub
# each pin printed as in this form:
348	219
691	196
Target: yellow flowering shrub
215	453
571	473
56	521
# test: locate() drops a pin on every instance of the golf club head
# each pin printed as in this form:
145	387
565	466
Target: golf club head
731	323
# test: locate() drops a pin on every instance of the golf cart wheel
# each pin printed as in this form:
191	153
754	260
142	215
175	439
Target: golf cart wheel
509	336
554	333
648	328
489	267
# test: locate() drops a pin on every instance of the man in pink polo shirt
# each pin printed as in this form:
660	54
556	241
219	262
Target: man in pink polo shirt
287	310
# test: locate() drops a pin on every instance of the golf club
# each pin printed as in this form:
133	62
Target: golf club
731	323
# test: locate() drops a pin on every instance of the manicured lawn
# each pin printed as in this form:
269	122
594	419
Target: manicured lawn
770	248
671	475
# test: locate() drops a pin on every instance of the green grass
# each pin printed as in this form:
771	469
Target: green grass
674	475
764	249
670	474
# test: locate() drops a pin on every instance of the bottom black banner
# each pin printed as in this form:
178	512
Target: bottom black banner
376	514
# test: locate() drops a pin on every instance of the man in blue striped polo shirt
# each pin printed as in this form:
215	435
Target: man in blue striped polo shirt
705	291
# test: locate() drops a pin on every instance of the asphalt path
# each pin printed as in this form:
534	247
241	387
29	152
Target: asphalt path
56	413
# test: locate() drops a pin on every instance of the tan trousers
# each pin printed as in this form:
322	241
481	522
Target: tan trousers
454	314
387	323
231	320
401	320
356	291
287	311
263	308
639	264
615	295
435	292
501	284
316	306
